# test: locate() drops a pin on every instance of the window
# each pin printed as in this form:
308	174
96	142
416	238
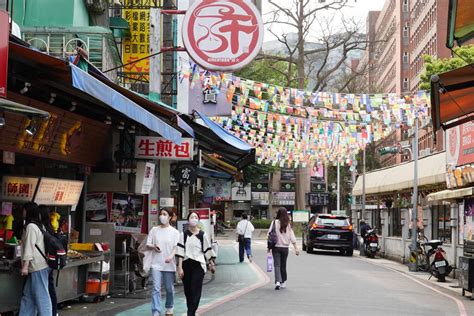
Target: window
405	30
405	57
441	222
405	83
376	221
395	227
405	5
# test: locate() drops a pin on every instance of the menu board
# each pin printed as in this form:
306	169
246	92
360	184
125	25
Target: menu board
58	192
18	188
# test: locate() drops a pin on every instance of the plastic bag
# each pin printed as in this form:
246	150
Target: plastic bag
269	263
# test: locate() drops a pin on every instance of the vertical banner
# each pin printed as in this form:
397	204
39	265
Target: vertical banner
4	37
137	44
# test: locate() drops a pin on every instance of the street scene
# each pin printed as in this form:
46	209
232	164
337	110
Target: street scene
236	157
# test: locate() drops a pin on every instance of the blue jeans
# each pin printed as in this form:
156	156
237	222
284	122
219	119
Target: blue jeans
35	299
168	280
245	245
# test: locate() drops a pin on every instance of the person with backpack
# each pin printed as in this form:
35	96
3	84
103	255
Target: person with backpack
244	237
284	237
35	299
194	255
162	241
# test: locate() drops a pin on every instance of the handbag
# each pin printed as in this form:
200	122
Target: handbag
272	237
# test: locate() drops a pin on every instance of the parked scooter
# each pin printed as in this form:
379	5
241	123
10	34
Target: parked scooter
371	244
439	265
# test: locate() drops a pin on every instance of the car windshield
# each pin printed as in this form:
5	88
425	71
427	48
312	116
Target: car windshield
332	221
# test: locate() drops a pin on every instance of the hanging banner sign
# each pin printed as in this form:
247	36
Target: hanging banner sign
4	37
58	192
147	147
18	188
223	34
460	145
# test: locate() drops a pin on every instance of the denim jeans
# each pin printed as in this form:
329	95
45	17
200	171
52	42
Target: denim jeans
35	299
168	280
280	255
245	245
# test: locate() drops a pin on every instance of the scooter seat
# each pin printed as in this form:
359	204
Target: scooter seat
434	243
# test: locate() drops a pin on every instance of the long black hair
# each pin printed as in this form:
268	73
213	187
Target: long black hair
44	216
282	215
32	213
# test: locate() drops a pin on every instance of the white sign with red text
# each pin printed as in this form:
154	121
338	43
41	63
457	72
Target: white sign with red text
148	147
58	192
223	34
18	188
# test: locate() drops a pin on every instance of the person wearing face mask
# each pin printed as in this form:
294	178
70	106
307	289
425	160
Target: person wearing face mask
162	241
194	255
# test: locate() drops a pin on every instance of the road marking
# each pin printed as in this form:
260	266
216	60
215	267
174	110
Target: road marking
263	279
459	303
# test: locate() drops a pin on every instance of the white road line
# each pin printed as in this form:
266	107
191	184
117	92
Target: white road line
459	303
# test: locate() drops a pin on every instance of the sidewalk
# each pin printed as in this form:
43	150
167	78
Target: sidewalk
231	280
451	285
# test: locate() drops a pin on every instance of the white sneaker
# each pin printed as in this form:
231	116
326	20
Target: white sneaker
169	311
283	285
277	286
156	314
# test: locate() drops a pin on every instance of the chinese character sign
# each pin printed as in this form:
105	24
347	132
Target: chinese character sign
147	147
137	44
18	188
58	192
185	174
223	34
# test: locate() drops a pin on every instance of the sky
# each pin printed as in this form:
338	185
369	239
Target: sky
357	9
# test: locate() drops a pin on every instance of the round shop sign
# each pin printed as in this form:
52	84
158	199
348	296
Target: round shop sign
223	35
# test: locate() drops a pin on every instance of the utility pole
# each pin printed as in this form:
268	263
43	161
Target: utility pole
338	187
301	172
363	183
412	265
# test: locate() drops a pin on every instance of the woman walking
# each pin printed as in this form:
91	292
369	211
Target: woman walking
194	253
162	240
35	299
285	237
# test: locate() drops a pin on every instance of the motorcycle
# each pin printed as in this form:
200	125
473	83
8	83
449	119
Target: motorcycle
439	265
371	244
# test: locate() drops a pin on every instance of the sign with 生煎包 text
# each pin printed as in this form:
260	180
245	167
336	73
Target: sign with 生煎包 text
222	34
148	147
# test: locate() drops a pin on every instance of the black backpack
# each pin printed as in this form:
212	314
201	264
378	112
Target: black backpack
55	250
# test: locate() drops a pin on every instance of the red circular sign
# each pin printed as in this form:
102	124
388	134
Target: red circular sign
223	34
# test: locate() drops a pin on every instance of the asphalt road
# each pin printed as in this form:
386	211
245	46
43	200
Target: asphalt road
329	284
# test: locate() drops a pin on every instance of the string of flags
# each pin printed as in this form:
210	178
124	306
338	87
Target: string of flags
292	127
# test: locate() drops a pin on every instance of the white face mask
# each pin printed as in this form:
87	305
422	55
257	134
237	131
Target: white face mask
193	222
164	219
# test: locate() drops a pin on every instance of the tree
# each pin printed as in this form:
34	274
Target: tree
267	71
463	56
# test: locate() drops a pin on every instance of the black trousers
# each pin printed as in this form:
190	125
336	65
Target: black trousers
52	292
192	281
280	255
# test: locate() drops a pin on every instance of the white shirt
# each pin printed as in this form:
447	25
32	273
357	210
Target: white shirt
194	249
244	227
166	239
32	237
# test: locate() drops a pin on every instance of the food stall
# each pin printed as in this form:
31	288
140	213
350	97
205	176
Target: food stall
62	196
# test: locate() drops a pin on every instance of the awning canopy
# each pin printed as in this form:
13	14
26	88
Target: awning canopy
450	194
204	172
10	106
451	97
460	22
213	139
92	86
431	170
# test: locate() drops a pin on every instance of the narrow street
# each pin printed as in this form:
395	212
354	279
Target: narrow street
328	284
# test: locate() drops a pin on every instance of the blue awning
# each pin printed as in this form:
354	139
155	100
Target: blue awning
225	135
203	172
90	85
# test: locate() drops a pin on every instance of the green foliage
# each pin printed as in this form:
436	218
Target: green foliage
269	71
261	223
437	66
256	171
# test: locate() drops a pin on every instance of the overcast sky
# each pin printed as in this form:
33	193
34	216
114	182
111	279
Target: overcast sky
358	9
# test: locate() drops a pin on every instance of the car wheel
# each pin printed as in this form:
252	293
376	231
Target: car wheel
309	249
349	252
